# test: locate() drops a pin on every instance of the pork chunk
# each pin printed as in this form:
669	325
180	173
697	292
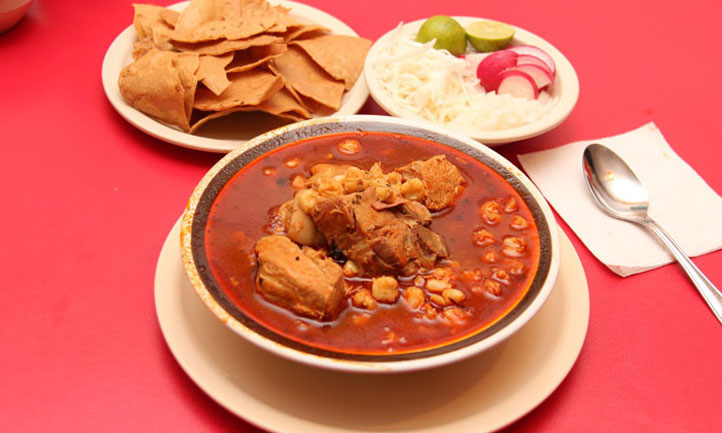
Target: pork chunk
378	241
442	180
301	280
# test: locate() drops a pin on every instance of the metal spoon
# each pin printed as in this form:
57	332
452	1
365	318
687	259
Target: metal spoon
618	191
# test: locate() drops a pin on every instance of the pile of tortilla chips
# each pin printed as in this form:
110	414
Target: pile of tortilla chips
222	56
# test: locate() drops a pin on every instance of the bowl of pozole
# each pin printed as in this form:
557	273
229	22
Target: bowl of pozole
369	244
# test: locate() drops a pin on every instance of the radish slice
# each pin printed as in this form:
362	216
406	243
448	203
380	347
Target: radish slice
536	52
491	66
518	84
541	75
527	59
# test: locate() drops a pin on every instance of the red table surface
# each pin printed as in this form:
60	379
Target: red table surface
89	199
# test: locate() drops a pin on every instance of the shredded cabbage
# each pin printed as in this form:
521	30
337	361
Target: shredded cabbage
433	85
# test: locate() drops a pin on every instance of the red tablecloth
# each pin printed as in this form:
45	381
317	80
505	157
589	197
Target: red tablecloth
88	201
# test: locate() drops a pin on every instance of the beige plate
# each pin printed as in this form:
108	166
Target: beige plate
482	393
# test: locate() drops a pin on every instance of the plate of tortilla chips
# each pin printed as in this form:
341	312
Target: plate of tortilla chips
212	74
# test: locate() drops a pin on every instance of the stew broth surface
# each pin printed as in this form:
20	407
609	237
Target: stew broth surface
241	213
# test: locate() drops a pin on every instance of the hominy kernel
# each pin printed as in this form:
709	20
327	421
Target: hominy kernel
438	300
437	286
501	276
490	257
489	212
349	146
414	296
483	237
511	205
363	299
453	295
518	223
445	274
513	247
385	289
516	267
292	162
492	287
350	268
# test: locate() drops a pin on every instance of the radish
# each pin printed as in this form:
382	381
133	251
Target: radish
536	52
541	75
527	59
518	84
491	66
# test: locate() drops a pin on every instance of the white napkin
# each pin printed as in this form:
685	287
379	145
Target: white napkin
680	201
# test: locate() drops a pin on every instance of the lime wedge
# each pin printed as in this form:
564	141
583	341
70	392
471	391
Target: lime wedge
487	36
449	34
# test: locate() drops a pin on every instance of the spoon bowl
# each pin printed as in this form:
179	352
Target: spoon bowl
619	192
614	185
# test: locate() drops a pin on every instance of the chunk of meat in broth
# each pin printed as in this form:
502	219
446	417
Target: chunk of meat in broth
441	179
302	280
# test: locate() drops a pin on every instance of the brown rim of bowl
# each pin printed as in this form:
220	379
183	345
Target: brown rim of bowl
231	167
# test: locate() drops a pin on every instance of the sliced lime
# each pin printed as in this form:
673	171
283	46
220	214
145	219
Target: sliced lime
449	34
487	36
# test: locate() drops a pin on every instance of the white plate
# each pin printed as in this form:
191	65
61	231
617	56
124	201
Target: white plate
565	86
482	393
227	133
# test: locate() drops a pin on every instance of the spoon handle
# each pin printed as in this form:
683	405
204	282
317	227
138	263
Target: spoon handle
709	292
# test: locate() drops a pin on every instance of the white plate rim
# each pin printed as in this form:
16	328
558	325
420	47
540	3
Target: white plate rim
558	354
118	56
566	78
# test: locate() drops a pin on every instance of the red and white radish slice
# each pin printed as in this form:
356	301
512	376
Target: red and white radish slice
541	75
527	59
518	84
536	52
491	67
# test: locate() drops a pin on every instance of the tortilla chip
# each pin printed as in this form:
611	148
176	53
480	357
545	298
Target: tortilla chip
153	22
281	104
340	55
255	56
208	20
308	79
141	47
247	88
212	72
220	47
295	32
161	84
187	65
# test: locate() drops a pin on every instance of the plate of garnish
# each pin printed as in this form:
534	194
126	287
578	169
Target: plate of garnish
492	81
209	75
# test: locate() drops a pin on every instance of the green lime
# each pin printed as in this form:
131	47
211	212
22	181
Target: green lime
449	34
489	35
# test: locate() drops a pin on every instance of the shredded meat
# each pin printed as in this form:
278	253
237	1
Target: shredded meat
378	241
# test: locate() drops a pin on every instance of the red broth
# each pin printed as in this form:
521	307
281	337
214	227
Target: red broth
241	213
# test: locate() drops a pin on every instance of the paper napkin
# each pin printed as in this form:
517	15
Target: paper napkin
680	201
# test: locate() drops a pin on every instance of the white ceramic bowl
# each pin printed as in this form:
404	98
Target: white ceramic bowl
565	86
197	264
